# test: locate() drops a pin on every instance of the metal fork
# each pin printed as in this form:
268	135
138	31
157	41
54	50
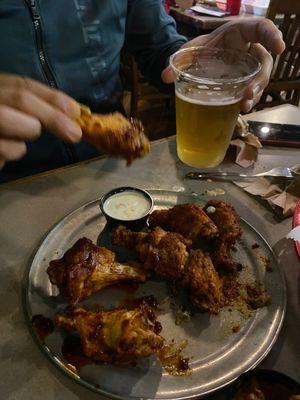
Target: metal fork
280	172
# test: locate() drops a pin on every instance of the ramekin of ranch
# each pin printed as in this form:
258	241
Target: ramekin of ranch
126	205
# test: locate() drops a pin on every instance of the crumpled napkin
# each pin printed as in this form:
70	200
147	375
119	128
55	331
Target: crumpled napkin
247	144
280	194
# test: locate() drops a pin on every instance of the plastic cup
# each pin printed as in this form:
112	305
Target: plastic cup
209	86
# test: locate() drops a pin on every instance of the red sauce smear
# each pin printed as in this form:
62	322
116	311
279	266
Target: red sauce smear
43	326
73	354
131	302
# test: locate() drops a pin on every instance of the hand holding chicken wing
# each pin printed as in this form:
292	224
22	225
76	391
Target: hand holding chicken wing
114	134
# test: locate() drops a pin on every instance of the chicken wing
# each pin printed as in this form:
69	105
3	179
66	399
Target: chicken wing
114	134
225	218
203	282
167	255
222	257
164	253
131	240
187	219
228	222
86	268
116	336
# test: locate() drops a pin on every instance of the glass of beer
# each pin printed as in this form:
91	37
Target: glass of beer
209	86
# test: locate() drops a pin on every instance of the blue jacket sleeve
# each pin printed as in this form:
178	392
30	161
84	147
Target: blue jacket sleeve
151	37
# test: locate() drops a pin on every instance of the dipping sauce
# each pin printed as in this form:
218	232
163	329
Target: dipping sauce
127	205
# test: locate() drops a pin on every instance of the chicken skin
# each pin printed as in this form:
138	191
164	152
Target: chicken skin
228	222
167	255
187	219
203	282
86	268
118	336
114	134
163	253
226	219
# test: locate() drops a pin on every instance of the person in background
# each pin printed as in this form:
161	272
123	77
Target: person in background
56	54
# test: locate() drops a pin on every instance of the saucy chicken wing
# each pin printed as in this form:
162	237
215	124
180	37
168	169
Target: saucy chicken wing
86	268
187	219
163	253
116	336
114	134
167	255
228	222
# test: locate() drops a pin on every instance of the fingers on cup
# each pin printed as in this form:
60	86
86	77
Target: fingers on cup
168	75
248	104
262	31
270	36
255	88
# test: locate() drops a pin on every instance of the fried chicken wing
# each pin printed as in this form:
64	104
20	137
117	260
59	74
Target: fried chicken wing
86	268
116	336
187	219
228	222
137	241
164	253
203	282
226	219
114	134
222	257
167	255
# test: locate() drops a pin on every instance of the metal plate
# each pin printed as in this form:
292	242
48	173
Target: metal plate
217	355
296	222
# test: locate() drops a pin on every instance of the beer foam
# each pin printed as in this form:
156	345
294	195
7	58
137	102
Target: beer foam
218	69
207	101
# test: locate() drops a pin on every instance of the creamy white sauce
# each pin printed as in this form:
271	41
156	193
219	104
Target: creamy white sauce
127	206
210	210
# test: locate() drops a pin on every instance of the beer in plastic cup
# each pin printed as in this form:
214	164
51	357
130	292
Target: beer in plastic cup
209	86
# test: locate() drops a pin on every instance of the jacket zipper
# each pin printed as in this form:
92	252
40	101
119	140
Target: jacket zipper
39	41
42	57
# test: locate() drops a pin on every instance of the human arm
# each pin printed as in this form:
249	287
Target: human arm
151	37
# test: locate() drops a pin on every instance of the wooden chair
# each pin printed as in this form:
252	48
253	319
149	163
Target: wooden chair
143	93
284	86
142	100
